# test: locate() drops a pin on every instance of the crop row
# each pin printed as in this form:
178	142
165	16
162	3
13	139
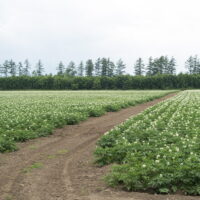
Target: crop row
158	150
30	114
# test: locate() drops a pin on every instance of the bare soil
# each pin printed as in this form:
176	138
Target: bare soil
60	167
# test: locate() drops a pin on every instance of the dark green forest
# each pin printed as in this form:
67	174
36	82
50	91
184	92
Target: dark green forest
158	73
48	82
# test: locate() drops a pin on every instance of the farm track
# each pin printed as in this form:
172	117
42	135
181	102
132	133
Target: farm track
60	167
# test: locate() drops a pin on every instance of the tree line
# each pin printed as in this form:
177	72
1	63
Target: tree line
158	73
123	82
102	67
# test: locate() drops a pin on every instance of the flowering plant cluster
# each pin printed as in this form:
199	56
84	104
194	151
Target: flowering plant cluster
158	150
30	114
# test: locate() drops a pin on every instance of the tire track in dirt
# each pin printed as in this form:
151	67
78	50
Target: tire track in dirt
66	170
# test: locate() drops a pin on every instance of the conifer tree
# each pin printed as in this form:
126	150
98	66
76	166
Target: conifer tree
97	67
60	69
89	68
120	67
172	66
5	68
111	68
2	71
139	67
150	67
12	68
26	70
166	66
161	63
20	69
104	67
39	68
198	68
71	69
81	69
195	64
189	64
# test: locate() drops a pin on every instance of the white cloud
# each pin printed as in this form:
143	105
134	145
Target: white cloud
67	30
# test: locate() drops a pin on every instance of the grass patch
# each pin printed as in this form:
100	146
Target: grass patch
36	165
62	151
9	197
32	147
51	156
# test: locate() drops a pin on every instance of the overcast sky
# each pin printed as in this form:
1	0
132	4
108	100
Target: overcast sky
54	30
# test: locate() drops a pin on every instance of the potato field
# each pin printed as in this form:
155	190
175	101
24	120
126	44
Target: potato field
157	150
30	114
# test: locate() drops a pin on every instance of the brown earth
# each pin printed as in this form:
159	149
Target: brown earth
60	167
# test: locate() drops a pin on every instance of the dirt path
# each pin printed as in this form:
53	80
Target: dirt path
60	167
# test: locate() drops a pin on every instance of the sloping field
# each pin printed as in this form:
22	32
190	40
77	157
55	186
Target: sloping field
30	114
158	150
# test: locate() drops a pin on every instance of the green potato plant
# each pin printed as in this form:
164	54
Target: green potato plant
158	150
